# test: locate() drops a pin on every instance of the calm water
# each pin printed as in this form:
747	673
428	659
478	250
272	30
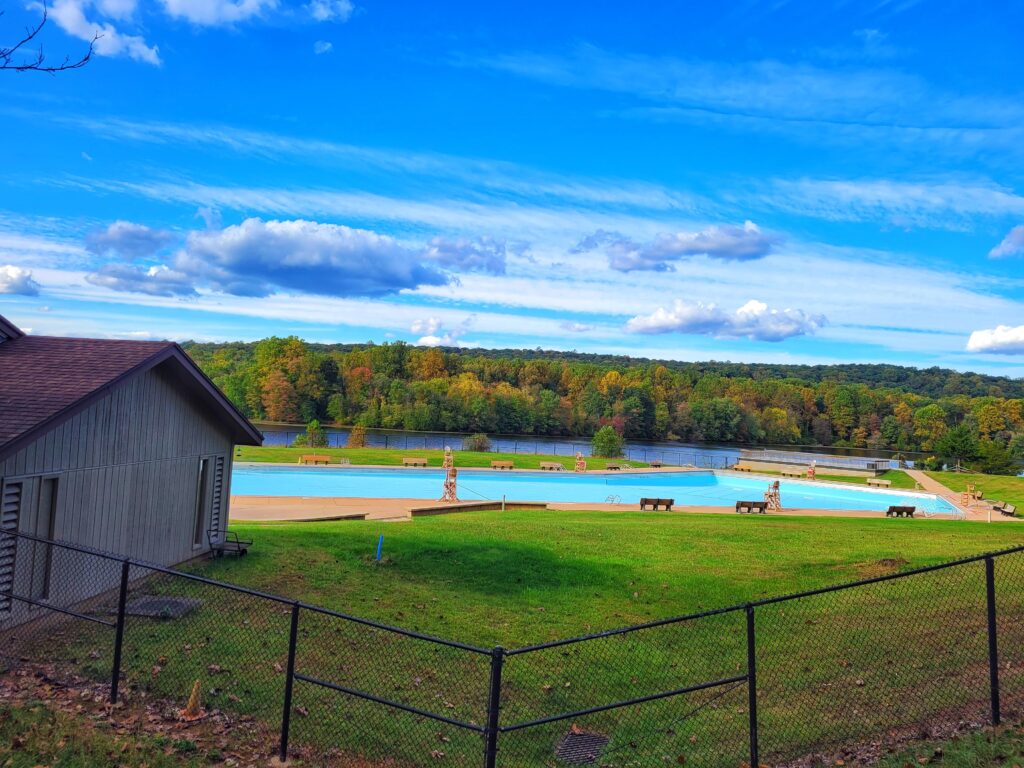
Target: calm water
693	488
709	455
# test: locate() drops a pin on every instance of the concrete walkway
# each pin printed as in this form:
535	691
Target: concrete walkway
975	510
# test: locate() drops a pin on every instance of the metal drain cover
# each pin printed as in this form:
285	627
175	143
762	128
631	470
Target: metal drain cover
162	607
580	747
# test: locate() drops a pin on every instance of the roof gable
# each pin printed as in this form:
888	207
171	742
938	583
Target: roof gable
46	380
9	330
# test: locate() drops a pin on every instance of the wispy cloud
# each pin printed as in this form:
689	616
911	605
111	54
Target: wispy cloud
128	240
883	101
730	243
1011	245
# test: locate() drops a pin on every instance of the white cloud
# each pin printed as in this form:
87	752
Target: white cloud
729	243
1001	340
70	16
128	240
330	10
322	46
210	13
257	258
435	333
754	320
1012	244
16	280
484	254
159	280
575	327
117	9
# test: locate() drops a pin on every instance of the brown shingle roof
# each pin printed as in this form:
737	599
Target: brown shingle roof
41	376
44	380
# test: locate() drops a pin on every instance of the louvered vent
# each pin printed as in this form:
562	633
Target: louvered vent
218	494
10	509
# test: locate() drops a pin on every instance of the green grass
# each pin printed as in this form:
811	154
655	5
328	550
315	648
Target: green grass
394	456
997	487
1001	748
897	477
830	668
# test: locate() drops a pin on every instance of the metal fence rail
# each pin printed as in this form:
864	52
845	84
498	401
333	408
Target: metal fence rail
774	679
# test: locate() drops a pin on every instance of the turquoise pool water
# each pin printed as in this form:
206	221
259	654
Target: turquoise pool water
693	488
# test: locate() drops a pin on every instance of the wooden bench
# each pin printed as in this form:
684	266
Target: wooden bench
898	511
314	459
792	473
1005	509
655	504
412	461
740	468
227	543
615	466
502	465
551	466
751	507
655	464
878	482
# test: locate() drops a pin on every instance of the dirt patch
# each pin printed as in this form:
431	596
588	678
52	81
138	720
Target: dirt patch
239	741
883	567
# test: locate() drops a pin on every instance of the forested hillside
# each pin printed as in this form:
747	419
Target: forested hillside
554	393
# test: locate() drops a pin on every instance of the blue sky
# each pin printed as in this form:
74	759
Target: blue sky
750	181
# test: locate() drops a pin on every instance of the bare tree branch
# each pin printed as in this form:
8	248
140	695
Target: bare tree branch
11	59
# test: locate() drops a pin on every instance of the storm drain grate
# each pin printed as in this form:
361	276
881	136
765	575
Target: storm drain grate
579	747
162	607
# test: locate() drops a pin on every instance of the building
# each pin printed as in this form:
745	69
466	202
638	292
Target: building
122	446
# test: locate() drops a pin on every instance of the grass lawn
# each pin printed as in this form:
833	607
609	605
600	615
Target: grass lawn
394	456
997	487
897	477
838	667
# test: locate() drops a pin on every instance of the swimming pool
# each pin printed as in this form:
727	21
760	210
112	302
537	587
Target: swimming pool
687	488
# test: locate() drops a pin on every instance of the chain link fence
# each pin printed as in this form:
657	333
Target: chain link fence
771	682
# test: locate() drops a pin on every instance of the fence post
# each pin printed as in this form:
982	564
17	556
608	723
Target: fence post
993	648
115	673
752	687
289	682
493	708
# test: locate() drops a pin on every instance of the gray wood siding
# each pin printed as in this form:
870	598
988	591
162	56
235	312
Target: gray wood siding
128	470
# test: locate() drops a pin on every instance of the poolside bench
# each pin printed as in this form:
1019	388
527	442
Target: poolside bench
752	507
227	543
878	482
314	459
551	466
655	464
412	461
740	468
1005	509
502	465
898	511
792	473
655	504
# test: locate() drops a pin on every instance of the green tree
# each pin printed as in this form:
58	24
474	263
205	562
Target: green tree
607	443
357	437
995	459
958	444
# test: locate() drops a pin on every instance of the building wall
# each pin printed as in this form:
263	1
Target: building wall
127	470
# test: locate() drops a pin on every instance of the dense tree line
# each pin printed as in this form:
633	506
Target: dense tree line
546	393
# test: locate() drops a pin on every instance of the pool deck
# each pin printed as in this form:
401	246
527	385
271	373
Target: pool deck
310	509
